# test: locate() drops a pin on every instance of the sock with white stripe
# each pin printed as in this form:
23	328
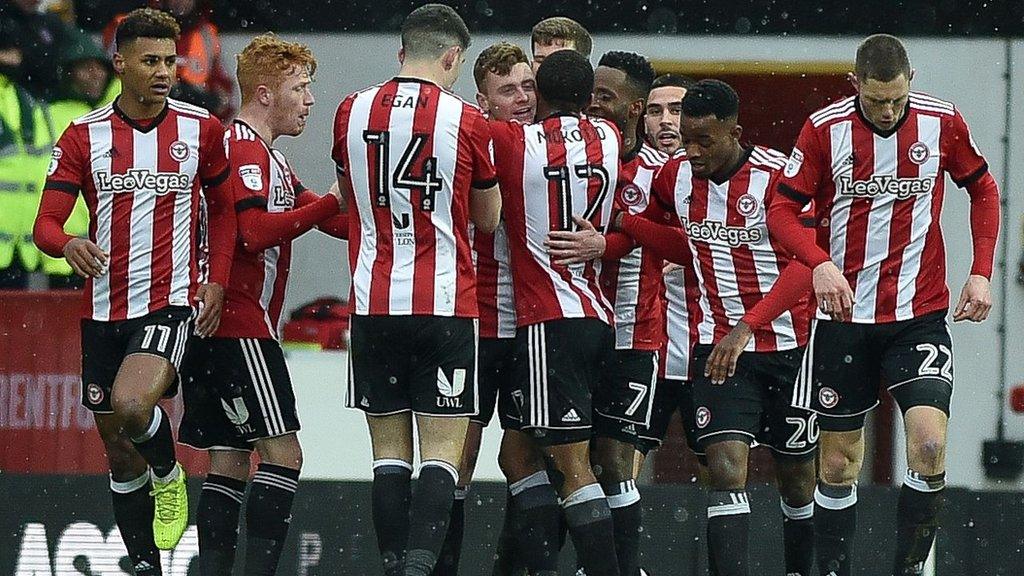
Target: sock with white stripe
451	550
536	523
217	523
921	499
156	445
268	513
835	523
133	512
592	530
627	517
798	537
391	495
429	512
728	528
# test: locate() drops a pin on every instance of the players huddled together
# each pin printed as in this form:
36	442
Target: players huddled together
584	253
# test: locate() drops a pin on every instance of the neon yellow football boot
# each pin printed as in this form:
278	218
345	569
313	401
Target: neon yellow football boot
170	517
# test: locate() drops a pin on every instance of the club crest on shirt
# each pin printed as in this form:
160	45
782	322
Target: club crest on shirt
747	205
179	150
631	196
796	160
252	176
919	153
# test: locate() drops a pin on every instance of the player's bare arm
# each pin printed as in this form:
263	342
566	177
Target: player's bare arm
485	208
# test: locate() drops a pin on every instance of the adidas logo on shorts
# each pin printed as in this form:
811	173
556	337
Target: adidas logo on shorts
571	416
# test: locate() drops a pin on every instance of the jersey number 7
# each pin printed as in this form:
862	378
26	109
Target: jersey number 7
427	183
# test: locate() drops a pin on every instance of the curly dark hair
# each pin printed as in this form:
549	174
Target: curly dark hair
711	98
639	71
565	80
146	23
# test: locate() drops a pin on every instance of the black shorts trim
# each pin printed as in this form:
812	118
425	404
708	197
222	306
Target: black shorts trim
560	364
165	333
495	366
423	364
846	364
236	391
754	402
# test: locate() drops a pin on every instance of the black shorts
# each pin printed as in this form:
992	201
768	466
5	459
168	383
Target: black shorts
494	373
847	363
423	364
105	345
623	402
559	365
236	390
755	403
671	396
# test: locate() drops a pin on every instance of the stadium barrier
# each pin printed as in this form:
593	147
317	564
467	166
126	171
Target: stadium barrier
62	525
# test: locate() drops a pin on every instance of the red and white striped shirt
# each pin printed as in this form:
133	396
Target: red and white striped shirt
633	283
735	260
141	183
493	283
879	197
550	171
411	151
262	179
682	317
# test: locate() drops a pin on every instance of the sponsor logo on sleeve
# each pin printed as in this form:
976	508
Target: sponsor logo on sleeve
252	176
796	160
54	160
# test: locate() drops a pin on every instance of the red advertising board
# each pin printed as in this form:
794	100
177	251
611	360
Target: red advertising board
44	429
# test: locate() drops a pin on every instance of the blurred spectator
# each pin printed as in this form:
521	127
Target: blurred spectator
201	77
63	8
30	44
26	139
88	84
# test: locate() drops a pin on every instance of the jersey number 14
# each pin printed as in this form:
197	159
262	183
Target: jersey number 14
426	184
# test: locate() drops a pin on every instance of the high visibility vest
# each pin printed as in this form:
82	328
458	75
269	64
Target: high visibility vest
197	54
26	141
62	113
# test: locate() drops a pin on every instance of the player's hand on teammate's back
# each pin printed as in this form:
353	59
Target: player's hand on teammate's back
835	297
975	300
211	303
722	361
575	247
85	258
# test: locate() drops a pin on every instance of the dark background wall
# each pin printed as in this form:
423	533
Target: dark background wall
743	17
